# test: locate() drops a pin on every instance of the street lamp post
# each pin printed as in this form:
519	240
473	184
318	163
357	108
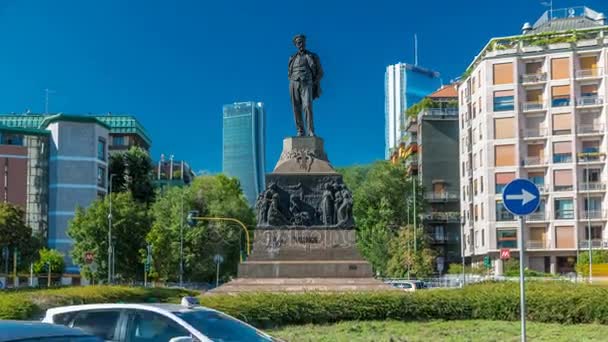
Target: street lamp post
589	240
110	249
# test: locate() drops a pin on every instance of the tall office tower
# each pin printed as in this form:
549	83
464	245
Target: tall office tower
244	146
404	85
533	106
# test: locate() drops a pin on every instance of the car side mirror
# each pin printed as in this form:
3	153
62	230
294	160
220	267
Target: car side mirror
182	339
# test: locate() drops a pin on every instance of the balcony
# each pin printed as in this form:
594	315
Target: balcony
564	214
563	188
539	132
590	157
539	216
504	215
590	73
591	100
534	161
537	244
439	239
533	106
560	102
592	186
441	196
596	214
595	243
440	113
534	78
449	216
590	129
562	158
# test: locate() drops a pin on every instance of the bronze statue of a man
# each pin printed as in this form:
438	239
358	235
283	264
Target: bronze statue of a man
304	75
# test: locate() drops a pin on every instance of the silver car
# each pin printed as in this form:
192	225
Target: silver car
23	331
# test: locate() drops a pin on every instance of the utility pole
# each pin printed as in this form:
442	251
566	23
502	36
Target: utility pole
415	223
181	242
110	249
48	280
589	240
15	280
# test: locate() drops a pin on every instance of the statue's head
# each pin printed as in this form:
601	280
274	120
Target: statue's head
300	42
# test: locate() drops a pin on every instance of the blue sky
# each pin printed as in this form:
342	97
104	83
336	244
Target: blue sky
174	64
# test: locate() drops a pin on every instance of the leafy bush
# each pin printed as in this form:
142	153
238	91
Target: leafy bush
28	304
598	257
475	269
551	302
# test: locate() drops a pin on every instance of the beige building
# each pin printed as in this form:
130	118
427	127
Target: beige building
533	106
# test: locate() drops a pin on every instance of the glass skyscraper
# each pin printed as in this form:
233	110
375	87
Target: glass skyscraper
404	86
244	146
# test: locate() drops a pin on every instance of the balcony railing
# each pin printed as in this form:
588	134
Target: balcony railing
441	196
504	216
538	216
590	157
529	161
450	216
537	244
593	214
533	105
591	100
592	186
543	188
440	112
586	73
534	132
563	187
595	243
534	78
564	214
560	102
590	128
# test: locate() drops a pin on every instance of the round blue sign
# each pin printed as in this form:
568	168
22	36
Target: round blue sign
521	197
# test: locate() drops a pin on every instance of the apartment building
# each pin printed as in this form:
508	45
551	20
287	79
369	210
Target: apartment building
533	106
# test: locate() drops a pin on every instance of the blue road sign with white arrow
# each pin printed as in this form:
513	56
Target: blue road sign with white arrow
521	197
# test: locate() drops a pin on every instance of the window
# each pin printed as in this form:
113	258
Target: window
591	175
560	96
476	212
11	139
504	128
220	327
564	237
562	152
534	68
536	154
562	123
481	209
506	238
101	177
475	187
589	90
503	73
502	179
101	149
100	323
483	237
593	207
504	155
562	180
560	68
596	233
502	214
481	184
150	326
480	158
564	209
537	178
118	140
590	151
588	66
504	100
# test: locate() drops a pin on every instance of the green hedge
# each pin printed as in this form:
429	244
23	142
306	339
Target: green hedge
556	302
29	304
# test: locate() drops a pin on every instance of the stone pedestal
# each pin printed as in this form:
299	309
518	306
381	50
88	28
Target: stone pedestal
305	236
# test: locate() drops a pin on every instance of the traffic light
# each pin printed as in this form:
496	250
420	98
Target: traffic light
191	218
487	263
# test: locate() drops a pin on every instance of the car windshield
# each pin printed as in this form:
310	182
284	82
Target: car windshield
63	339
222	328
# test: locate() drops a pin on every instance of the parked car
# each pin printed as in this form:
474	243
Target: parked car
187	322
24	331
407	285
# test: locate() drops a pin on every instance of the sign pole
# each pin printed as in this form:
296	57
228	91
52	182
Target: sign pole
522	284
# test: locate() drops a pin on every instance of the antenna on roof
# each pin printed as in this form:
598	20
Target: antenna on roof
550	5
415	49
47	91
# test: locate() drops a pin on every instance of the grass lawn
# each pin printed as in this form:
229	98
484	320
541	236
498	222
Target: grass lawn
474	330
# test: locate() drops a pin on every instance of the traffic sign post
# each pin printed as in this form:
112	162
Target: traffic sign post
218	259
505	254
521	197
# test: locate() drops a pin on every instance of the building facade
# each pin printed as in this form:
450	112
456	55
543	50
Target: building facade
56	163
430	152
172	173
404	85
533	106
244	143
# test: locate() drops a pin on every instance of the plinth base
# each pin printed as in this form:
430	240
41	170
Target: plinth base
299	285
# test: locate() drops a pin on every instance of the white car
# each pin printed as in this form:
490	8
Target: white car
187	322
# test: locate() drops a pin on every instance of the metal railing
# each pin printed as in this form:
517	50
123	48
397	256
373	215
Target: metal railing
564	214
592	186
528	161
504	215
590	128
590	157
451	216
592	214
537	244
538	216
534	132
591	100
441	196
586	73
534	78
533	105
440	112
559	102
595	243
562	158
563	187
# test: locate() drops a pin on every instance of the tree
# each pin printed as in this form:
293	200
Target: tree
354	176
133	172
419	262
51	257
382	204
15	234
130	225
211	196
